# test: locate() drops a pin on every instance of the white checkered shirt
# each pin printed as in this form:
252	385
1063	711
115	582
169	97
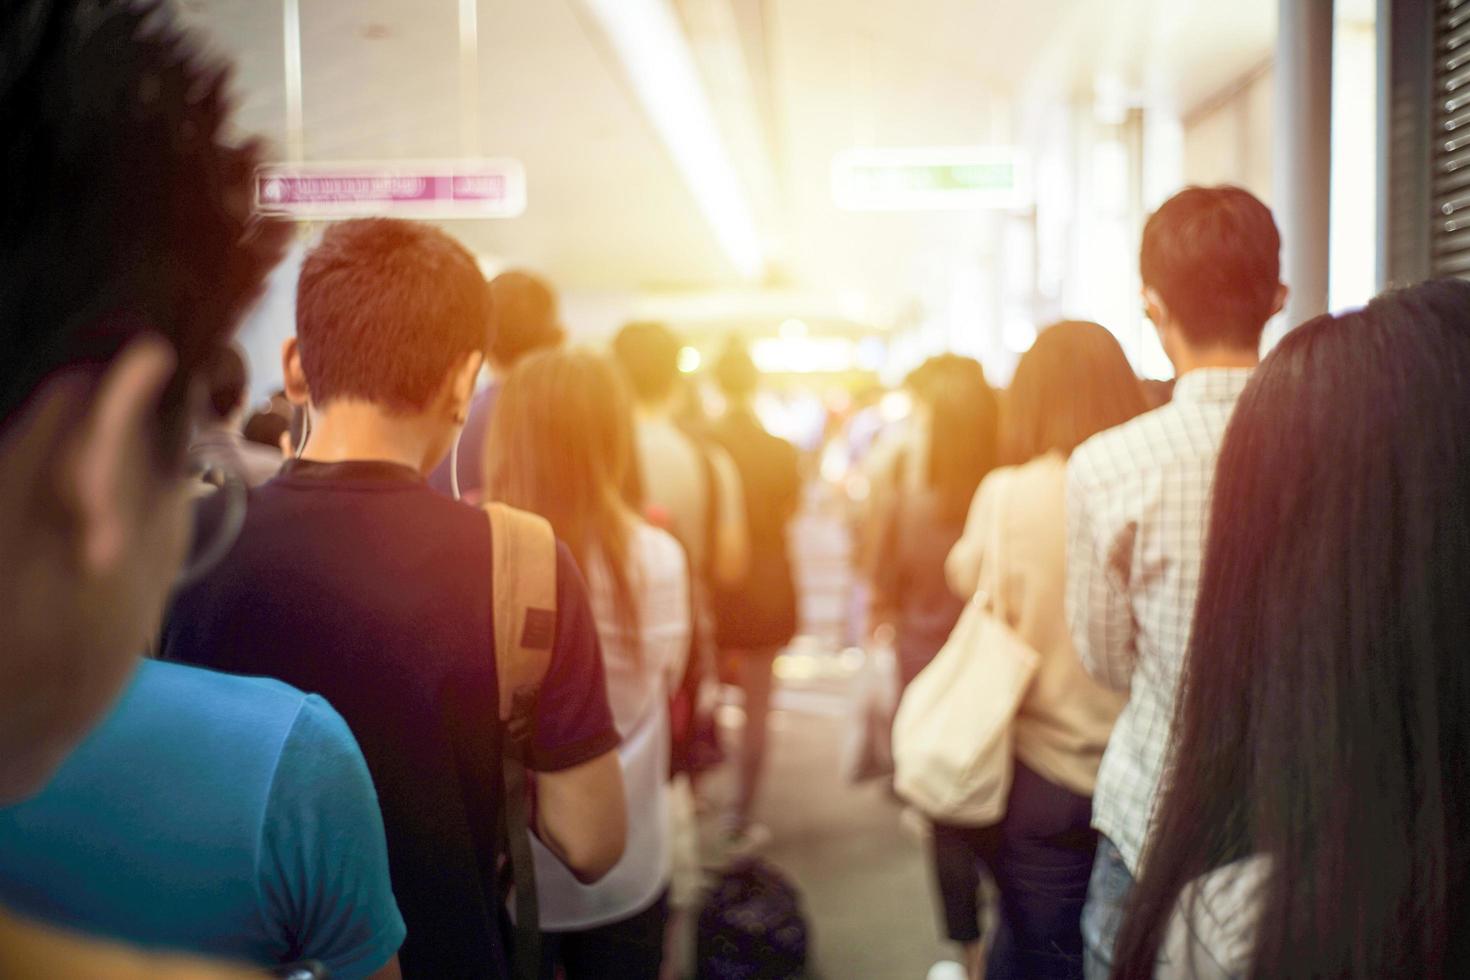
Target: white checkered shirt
1137	509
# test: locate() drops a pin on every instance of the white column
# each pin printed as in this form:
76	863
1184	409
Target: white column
1303	164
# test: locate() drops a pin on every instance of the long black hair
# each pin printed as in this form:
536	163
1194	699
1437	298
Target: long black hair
1324	720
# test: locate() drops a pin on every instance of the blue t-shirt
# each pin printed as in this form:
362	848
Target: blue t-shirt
232	816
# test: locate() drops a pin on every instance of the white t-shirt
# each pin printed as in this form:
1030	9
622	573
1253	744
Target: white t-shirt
638	686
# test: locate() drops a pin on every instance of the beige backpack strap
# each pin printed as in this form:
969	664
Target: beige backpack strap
524	577
523	583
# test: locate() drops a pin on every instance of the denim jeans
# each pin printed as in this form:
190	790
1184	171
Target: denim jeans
1039	856
1102	916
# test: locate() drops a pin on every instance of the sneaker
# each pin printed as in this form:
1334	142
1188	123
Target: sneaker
744	841
947	970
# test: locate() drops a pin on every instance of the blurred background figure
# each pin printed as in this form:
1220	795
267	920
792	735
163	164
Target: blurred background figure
1073	383
523	319
945	451
755	617
221	442
270	424
691	482
560	445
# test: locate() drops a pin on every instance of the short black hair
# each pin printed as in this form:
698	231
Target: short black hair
649	356
266	428
523	317
735	372
1214	256
385	309
227	381
126	212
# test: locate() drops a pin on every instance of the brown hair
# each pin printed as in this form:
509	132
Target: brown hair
1214	255
560	444
963	418
1073	383
523	317
386	310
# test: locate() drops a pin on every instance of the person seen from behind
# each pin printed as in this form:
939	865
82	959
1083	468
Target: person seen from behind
222	443
952	445
523	319
1137	497
755	618
352	578
693	484
1073	383
561	445
129	257
1315	820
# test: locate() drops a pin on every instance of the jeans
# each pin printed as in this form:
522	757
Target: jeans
1039	856
1102	916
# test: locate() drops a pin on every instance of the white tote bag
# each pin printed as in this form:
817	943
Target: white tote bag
952	735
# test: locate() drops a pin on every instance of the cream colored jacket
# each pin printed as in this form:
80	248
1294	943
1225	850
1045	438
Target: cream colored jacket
1066	717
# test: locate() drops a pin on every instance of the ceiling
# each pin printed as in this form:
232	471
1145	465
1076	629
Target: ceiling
608	210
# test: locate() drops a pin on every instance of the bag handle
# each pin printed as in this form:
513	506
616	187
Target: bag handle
991	593
523	596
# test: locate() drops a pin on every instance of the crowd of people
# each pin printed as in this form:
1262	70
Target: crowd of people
432	697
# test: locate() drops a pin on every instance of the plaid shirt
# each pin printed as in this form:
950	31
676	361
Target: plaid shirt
1138	500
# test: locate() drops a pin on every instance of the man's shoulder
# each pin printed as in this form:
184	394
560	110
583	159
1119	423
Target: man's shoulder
188	694
1124	452
248	720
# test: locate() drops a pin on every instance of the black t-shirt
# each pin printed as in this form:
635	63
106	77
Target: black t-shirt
358	582
761	611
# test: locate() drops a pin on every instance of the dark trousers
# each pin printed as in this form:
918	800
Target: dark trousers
630	949
1041	857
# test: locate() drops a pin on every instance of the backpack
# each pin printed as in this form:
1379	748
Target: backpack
523	570
751	926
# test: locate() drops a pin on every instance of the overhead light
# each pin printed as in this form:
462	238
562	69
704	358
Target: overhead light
803	355
652	48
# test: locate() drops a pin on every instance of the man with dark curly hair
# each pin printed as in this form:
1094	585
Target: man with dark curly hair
221	815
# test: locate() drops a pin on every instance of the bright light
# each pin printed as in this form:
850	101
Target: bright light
689	360
804	355
652	48
1018	334
1152	361
895	405
792	329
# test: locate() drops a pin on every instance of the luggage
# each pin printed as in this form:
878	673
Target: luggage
751	926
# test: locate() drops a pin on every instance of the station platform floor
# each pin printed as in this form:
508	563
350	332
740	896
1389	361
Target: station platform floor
863	877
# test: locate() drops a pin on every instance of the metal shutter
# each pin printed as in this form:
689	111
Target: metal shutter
1450	148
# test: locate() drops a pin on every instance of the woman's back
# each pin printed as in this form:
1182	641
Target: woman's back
1064	721
641	671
